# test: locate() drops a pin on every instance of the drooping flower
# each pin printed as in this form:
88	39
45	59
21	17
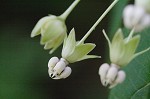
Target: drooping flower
53	29
74	51
122	52
110	74
57	69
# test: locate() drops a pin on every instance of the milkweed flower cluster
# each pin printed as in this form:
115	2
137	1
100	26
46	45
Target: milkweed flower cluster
122	52
73	51
53	31
137	16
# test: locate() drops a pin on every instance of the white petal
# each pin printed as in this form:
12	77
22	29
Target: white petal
66	72
60	66
144	23
52	62
146	20
139	12
102	72
127	15
112	73
36	31
120	78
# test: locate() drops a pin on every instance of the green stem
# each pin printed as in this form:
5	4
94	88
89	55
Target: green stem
68	11
98	21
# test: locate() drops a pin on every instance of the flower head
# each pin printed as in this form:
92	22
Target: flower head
122	50
53	29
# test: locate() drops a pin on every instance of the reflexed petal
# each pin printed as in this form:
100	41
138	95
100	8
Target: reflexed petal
130	49
117	47
37	29
51	30
80	51
69	44
88	56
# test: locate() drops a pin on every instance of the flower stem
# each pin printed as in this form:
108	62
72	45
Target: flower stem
98	21
68	11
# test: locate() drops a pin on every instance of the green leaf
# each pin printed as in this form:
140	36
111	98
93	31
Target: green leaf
80	51
137	83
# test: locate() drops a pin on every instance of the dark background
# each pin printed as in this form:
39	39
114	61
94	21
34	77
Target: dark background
23	61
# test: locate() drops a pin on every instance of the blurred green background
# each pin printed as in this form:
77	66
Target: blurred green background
23	61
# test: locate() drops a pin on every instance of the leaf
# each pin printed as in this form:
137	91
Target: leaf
137	83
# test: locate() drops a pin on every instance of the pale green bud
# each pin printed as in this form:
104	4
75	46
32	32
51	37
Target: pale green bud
143	3
73	52
122	50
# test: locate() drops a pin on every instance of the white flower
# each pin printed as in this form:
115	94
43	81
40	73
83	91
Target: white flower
122	52
135	17
58	69
111	75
